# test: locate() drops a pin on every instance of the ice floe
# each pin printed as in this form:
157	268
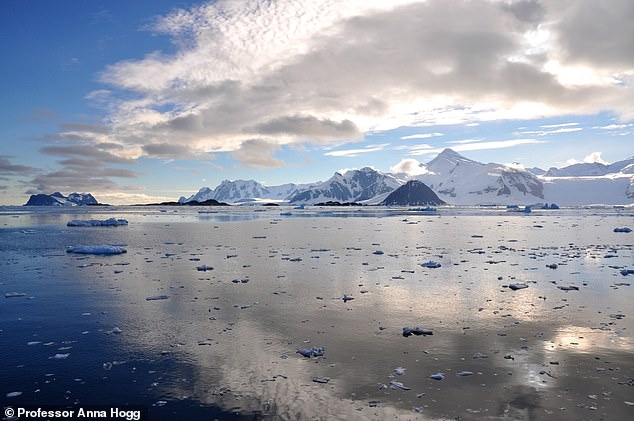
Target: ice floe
110	222
105	249
316	351
409	331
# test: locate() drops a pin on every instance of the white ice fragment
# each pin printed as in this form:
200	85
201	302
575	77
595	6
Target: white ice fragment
623	229
408	331
515	287
464	373
105	249
437	376
13	394
111	222
114	330
14	294
316	351
59	357
399	371
431	264
398	385
157	297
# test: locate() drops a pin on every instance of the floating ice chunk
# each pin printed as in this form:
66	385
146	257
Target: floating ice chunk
515	287
479	355
204	268
33	343
623	229
322	380
157	297
626	272
437	376
409	331
316	351
399	371
111	222
115	330
398	385
431	264
378	252
464	373
13	394
617	316
14	294
105	249
568	288
59	357
347	297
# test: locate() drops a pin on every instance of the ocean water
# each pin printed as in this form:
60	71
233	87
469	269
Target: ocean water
222	343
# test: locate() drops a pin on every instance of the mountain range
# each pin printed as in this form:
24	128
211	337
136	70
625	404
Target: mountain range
455	179
58	199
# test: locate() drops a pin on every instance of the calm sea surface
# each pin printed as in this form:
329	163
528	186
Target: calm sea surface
222	343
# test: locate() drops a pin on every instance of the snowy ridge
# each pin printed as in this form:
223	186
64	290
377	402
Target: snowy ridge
353	186
462	181
456	180
58	199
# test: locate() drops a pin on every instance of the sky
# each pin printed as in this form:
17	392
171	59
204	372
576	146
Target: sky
145	101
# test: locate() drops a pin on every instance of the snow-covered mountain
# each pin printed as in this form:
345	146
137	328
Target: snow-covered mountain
58	199
352	186
462	181
241	191
591	183
456	180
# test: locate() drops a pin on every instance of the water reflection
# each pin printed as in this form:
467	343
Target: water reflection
221	341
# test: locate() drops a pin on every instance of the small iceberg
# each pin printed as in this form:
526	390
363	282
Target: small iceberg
157	297
13	394
111	222
399	371
437	376
569	288
204	268
59	357
623	229
431	264
316	351
347	297
102	249
464	373
409	331
515	287
14	294
398	385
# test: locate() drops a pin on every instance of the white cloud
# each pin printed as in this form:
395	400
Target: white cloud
549	132
326	71
477	146
409	166
594	157
356	152
459	142
422	136
552	126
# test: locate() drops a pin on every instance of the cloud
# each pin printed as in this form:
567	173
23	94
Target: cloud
308	127
477	146
7	168
409	166
356	152
83	167
169	150
549	132
552	126
422	136
594	157
287	72
256	153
